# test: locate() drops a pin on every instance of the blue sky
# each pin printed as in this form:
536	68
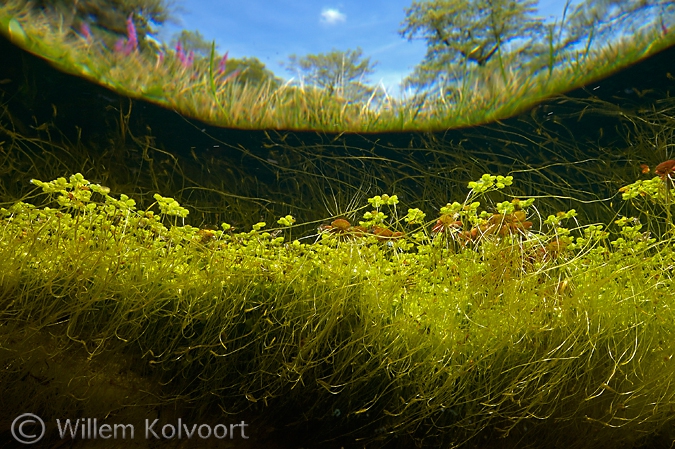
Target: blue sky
272	30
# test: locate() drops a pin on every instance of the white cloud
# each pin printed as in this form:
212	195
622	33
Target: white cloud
332	16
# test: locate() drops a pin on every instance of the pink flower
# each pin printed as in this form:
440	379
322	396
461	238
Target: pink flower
131	33
231	76
85	31
180	54
131	43
120	47
222	64
186	60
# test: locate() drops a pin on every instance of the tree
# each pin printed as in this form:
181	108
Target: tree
601	21
338	72
192	40
459	32
108	16
249	70
253	71
590	24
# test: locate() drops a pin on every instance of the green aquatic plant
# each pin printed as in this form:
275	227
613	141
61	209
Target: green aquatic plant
656	191
370	335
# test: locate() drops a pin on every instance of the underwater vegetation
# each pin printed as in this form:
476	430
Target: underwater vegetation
472	328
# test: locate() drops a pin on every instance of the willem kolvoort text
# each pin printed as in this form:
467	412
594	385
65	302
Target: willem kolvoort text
89	429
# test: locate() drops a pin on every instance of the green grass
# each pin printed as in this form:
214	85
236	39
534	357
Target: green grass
476	324
483	97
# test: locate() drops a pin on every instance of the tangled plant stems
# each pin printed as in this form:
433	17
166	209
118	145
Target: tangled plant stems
483	321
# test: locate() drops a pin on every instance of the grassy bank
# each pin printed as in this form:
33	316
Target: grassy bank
485	94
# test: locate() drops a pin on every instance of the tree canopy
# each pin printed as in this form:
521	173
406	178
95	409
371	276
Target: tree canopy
192	40
463	35
338	72
602	20
249	70
109	16
253	71
459	32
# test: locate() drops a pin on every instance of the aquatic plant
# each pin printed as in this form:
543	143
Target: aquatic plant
537	326
655	192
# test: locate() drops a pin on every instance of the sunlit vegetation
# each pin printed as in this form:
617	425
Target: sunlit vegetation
480	319
206	89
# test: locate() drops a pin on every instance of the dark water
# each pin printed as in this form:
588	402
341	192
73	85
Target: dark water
581	148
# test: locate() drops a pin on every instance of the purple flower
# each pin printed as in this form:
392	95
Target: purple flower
180	54
120	47
222	64
131	33
231	76
85	31
126	46
185	60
